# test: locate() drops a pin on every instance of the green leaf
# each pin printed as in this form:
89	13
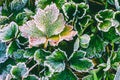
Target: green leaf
31	77
19	71
69	10
84	40
43	3
40	55
89	77
110	36
56	61
106	14
11	48
17	5
117	56
64	75
79	63
29	52
104	26
3	56
3	20
59	3
85	20
81	9
10	32
96	46
18	55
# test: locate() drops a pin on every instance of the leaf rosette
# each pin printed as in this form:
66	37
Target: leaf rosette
48	25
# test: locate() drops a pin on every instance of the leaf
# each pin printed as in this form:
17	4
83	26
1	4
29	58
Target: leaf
31	77
11	48
44	18
40	55
117	4
117	76
69	10
56	61
59	3
104	26
85	20
96	46
3	20
84	40
17	5
43	3
19	71
66	75
81	9
89	77
29	52
79	63
110	36
106	14
10	32
18	55
76	44
3	56
48	25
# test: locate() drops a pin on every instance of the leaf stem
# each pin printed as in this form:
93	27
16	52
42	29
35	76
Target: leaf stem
46	44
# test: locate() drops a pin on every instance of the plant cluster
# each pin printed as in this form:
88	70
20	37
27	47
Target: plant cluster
59	40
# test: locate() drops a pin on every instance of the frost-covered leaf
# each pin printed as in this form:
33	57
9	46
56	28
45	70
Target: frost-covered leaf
79	63
9	32
85	20
5	72
48	25
3	19
69	10
3	56
29	52
84	41
111	36
81	9
19	71
64	75
96	46
18	4
49	20
59	3
43	3
105	25
18	55
117	76
104	18
31	77
11	48
117	4
106	14
56	61
40	55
